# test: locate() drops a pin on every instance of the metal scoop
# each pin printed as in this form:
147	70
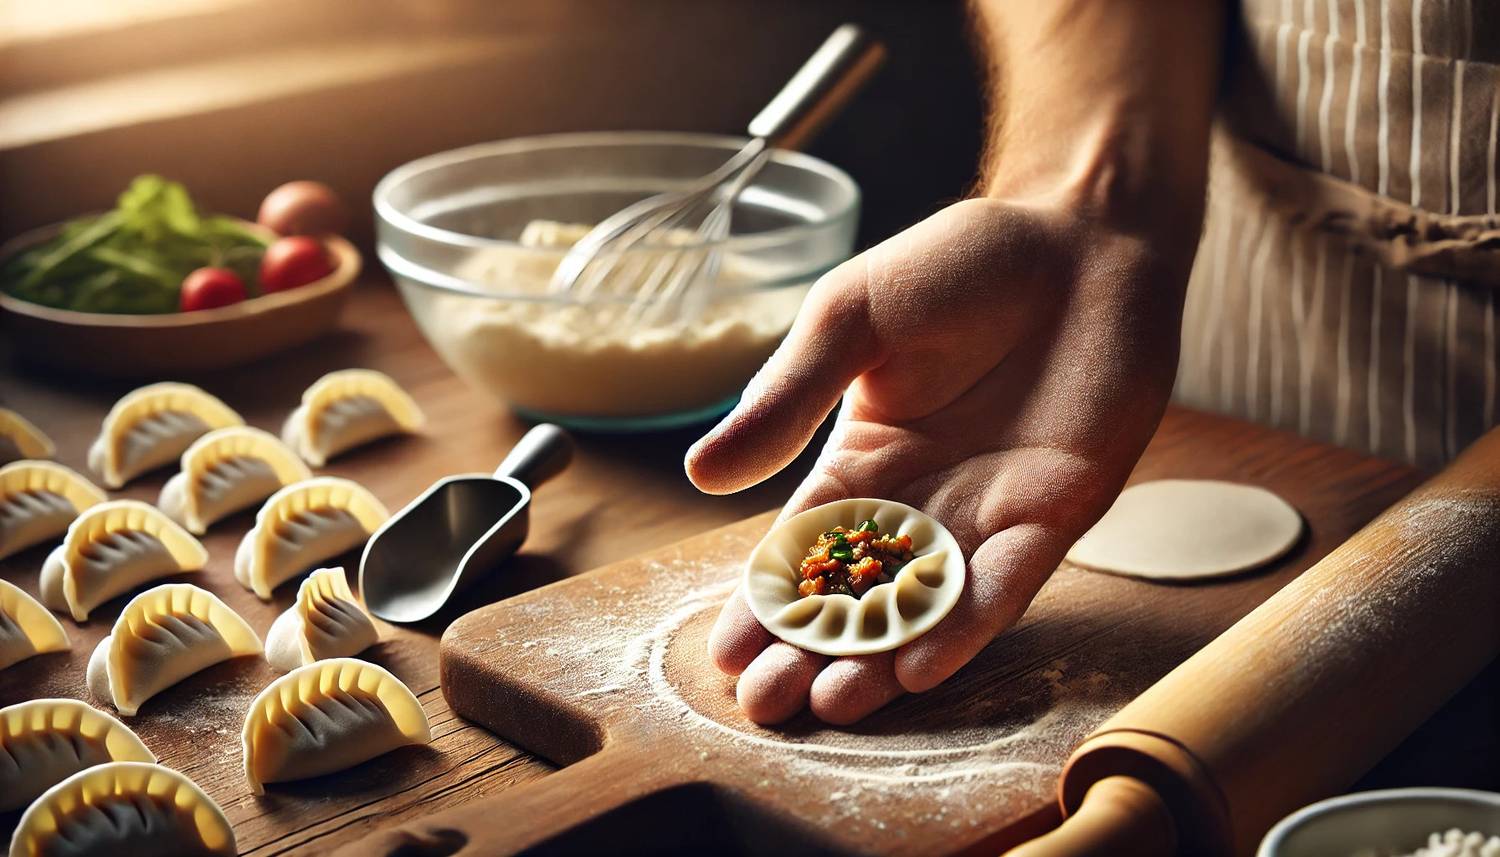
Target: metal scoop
457	530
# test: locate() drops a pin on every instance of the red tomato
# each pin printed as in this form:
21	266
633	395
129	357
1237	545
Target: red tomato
294	261
207	288
303	208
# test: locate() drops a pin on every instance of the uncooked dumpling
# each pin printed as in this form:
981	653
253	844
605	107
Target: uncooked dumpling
227	470
151	427
26	627
327	716
38	500
302	525
325	622
45	741
164	635
886	616
111	549
124	809
1181	529
348	408
20	440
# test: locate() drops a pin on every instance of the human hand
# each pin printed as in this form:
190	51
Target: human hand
1002	366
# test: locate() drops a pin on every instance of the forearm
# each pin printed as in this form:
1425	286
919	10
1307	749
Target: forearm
1103	104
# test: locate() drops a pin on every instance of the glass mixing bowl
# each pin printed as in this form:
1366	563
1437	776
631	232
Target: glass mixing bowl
472	236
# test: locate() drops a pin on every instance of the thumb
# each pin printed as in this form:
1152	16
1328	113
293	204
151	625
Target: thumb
830	344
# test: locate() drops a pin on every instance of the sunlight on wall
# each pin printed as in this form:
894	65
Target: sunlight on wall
25	20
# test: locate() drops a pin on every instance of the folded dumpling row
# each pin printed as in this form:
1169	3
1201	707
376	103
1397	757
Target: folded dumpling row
164	635
227	470
348	408
152	426
325	622
327	716
45	741
111	549
38	500
124	808
26	627
302	525
19	439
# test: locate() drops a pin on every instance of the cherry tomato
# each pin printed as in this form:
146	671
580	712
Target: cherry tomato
207	288
294	261
303	208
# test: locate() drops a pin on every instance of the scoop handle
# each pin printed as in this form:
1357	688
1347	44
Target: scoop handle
541	454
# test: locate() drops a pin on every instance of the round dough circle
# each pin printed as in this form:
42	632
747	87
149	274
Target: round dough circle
1182	529
888	616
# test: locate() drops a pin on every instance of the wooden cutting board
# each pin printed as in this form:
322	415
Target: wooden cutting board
606	673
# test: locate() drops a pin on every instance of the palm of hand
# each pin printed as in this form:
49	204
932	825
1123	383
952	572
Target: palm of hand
1004	368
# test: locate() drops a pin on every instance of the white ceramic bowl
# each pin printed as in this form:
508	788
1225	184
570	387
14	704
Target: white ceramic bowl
1392	821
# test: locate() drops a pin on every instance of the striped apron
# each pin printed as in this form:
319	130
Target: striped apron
1344	286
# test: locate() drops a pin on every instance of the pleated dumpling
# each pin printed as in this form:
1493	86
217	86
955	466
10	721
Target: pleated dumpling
227	470
19	439
327	716
151	427
325	622
906	604
38	500
111	549
164	635
26	627
344	409
124	809
45	741
302	525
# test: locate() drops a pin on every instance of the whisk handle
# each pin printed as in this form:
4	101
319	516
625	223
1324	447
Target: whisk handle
819	90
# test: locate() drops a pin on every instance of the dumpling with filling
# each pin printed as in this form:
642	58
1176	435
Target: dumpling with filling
38	500
325	622
19	439
164	635
124	809
302	525
151	427
854	577
227	470
348	408
45	741
111	549
26	628
325	717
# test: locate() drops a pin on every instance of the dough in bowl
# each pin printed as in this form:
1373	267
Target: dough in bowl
1185	529
887	615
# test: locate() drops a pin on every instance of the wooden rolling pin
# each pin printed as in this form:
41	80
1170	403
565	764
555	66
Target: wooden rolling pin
1305	693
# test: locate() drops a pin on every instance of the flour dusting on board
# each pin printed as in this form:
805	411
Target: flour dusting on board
979	748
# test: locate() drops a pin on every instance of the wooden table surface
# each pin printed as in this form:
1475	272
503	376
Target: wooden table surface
622	496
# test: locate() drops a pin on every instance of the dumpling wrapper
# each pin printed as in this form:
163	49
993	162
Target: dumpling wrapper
38	501
346	409
26	627
20	440
1185	529
302	525
888	615
124	808
151	427
326	621
164	635
227	470
49	740
111	549
325	717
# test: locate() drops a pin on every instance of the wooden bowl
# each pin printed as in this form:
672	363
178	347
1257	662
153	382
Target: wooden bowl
179	344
